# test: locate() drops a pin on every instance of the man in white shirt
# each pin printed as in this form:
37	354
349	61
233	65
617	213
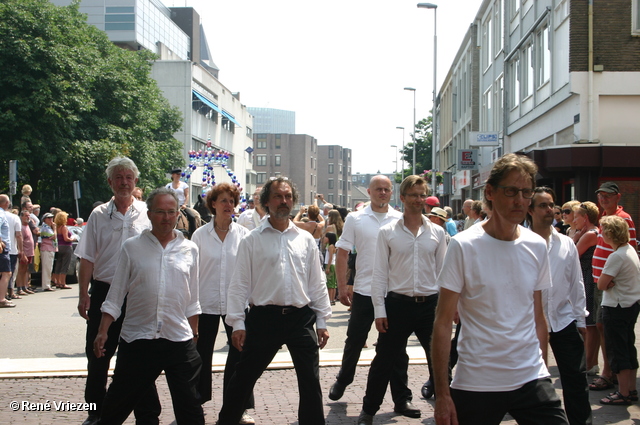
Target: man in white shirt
565	308
361	231
253	217
157	271
498	296
409	256
108	227
282	279
15	235
466	209
5	261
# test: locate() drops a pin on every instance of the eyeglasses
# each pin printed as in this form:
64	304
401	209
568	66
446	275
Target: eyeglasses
170	213
557	213
545	206
416	195
567	211
512	191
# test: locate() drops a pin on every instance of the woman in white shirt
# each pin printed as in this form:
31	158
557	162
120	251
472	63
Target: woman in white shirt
179	187
620	281
218	243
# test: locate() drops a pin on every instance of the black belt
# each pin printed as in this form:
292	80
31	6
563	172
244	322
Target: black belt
418	299
286	309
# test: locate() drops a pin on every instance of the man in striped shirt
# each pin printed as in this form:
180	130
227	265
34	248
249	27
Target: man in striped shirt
608	197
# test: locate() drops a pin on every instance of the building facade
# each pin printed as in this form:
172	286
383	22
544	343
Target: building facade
334	174
276	121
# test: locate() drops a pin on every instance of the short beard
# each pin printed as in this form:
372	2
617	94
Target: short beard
383	204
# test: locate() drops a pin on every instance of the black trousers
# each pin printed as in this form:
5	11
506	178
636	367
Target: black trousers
568	349
535	403
208	325
404	317
148	411
362	317
268	328
139	364
620	337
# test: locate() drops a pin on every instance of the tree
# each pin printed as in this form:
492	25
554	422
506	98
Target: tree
71	101
423	152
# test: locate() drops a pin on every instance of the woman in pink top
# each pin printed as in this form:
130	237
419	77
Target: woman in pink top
65	251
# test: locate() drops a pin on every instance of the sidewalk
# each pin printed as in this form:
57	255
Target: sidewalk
62	380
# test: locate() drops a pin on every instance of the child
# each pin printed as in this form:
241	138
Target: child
330	265
620	281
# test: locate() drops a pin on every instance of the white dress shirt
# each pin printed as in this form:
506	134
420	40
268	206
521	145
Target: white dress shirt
361	230
251	219
15	225
565	301
161	286
217	264
407	264
106	230
278	268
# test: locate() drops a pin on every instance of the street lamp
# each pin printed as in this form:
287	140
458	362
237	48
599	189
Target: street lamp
433	113
395	184
413	169
402	128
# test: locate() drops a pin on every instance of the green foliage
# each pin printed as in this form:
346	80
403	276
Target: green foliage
71	101
423	153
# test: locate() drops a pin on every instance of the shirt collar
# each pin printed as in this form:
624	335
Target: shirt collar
266	224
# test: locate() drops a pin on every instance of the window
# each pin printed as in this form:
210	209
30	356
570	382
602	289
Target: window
497	27
330	168
261	178
527	71
486	111
277	160
330	198
514	86
261	160
486	43
543	56
330	183
331	152
278	142
119	18
261	144
514	6
498	96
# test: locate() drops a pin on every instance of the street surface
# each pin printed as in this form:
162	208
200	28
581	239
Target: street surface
42	360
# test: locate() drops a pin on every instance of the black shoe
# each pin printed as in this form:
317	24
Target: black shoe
337	391
91	420
407	409
428	390
365	419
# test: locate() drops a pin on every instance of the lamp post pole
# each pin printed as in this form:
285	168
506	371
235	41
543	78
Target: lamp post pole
415	148
402	128
434	123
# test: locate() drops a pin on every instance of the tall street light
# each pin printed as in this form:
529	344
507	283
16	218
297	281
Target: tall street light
402	128
413	169
395	184
433	113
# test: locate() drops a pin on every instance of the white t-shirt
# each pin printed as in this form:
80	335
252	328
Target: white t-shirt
15	225
179	191
624	266
498	346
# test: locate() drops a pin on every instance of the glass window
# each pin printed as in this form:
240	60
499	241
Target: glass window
330	168
278	142
261	144
330	151
261	178
261	160
119	27
278	160
514	92
330	183
543	55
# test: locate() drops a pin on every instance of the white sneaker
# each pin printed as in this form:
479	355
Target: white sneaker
594	371
246	419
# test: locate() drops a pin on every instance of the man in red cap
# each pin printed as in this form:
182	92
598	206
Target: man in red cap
430	202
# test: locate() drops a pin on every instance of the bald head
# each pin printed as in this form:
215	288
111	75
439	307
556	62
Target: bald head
379	191
4	202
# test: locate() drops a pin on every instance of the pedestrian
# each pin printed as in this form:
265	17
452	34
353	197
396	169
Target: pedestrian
157	271
218	243
493	275
404	293
5	261
360	233
329	241
108	227
609	198
620	281
281	277
48	249
15	237
565	307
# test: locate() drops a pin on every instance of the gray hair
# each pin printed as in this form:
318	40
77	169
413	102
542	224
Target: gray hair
121	163
158	192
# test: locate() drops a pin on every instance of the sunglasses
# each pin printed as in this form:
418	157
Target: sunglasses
567	211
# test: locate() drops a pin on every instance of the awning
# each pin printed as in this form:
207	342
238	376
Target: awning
230	118
207	102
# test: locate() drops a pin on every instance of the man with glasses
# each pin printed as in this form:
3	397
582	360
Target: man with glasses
158	274
361	232
408	257
608	197
498	296
565	308
108	227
